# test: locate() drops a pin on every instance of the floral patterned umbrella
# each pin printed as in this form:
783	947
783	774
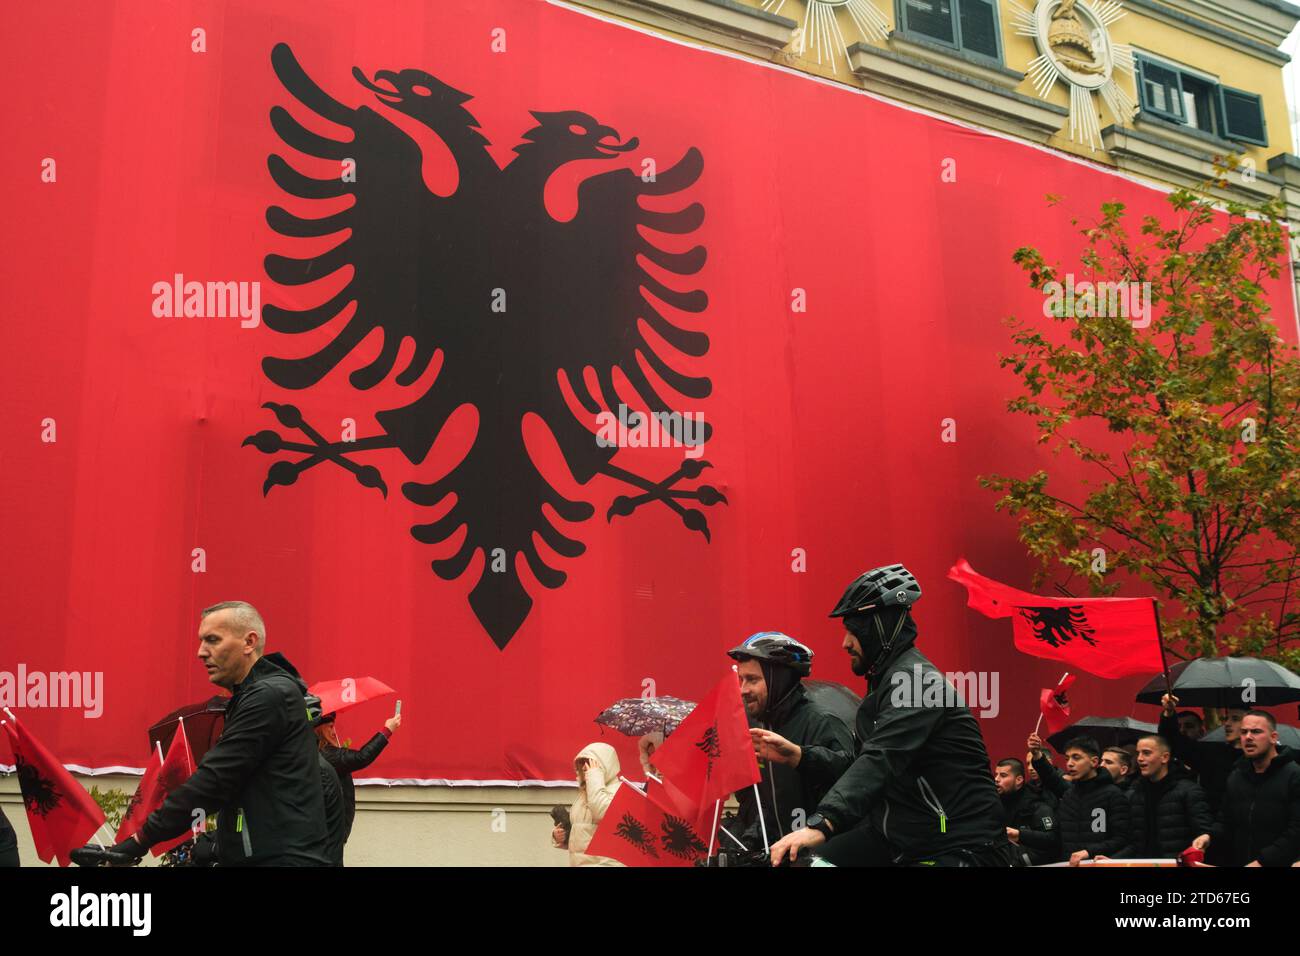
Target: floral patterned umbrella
636	716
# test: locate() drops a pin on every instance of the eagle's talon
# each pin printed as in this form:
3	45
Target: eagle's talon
691	467
370	477
267	441
694	520
622	506
281	473
708	495
288	415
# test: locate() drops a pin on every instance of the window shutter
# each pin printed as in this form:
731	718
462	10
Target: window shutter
979	27
1243	116
930	18
1161	89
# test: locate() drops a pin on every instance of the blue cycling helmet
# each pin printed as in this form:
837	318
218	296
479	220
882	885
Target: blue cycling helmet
777	648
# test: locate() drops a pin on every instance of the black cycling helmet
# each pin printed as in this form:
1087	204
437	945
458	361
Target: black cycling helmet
889	586
777	648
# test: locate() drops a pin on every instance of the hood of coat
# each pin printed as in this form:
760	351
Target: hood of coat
1011	801
273	663
1103	778
1285	755
605	756
871	646
784	691
1146	784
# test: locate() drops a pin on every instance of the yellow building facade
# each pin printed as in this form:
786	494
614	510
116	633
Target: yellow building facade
1177	83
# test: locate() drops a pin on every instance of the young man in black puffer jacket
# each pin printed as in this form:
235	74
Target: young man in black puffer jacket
1168	809
1093	814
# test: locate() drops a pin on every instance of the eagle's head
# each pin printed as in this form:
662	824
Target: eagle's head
569	135
417	94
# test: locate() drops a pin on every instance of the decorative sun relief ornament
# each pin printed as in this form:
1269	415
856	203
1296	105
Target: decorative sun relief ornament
1075	48
821	30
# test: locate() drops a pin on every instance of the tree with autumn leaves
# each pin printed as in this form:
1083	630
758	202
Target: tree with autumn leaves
1196	490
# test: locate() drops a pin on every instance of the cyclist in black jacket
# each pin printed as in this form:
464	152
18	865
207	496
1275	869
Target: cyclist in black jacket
262	777
919	790
802	749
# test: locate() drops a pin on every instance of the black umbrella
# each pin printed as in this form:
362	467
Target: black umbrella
1107	731
203	723
1287	736
835	698
636	716
1224	681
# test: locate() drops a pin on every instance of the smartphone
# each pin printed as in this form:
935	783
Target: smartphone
399	709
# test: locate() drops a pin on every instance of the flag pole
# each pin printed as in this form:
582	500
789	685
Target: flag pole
96	838
1040	710
1164	662
733	836
758	800
713	831
771	778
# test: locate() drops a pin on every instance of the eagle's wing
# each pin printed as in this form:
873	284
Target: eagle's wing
396	230
601	289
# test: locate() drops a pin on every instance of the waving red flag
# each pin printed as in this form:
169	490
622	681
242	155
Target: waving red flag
175	770
671	800
710	754
1055	705
637	832
141	805
62	815
1108	637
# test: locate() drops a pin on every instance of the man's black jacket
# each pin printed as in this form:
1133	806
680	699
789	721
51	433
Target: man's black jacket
1260	816
336	819
1211	762
8	839
1041	793
1166	816
1035	818
922	772
346	762
261	778
1093	814
827	746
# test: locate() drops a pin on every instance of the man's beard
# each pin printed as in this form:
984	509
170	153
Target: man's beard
858	665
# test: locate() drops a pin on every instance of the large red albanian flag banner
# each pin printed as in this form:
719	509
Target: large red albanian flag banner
356	313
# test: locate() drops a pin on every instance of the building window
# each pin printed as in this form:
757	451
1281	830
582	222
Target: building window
1187	98
969	25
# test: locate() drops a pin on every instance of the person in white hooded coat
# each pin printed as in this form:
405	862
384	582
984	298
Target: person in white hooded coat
598	769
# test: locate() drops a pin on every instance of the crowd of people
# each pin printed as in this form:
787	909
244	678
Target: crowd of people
1171	795
911	784
908	784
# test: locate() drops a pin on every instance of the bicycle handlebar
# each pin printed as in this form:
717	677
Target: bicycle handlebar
92	855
